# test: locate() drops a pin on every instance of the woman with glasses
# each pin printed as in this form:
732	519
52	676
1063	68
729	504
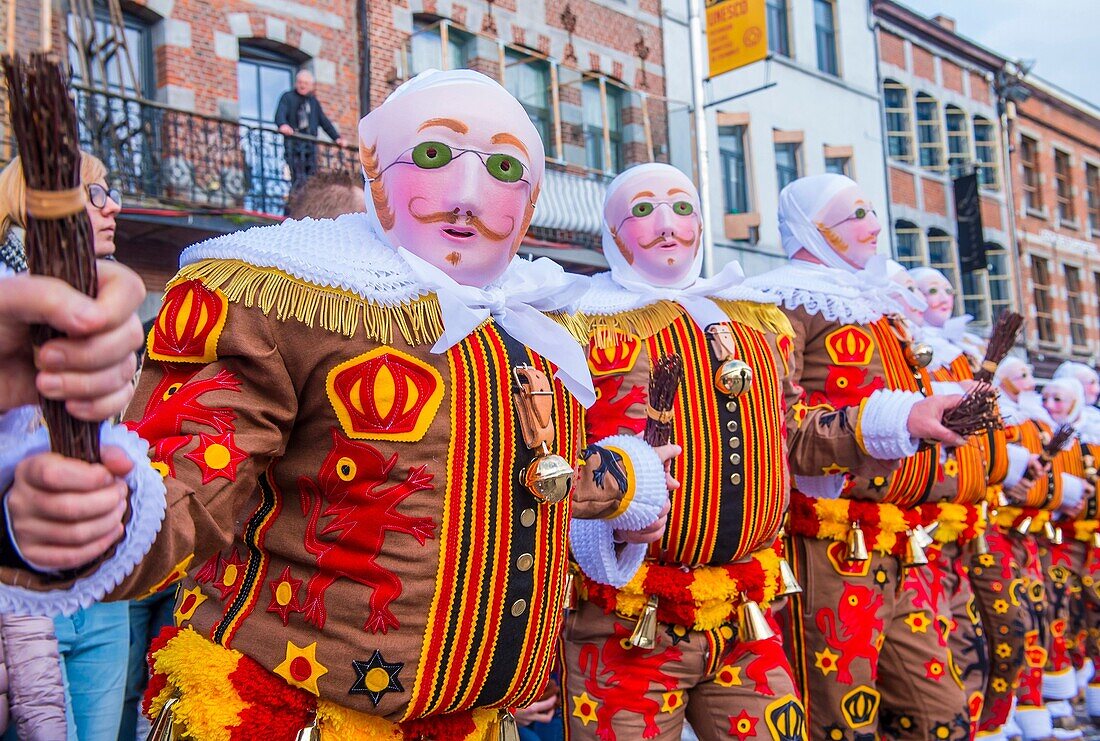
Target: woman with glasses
84	692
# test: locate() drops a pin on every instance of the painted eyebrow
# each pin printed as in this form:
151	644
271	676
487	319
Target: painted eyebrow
448	123
506	138
644	194
671	191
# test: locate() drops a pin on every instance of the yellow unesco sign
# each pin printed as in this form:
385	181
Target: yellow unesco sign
736	34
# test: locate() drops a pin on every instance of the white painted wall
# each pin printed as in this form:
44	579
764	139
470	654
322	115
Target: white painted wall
829	110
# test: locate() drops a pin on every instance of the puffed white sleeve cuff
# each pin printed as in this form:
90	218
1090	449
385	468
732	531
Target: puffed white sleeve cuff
820	487
592	541
947	388
1073	491
1018	458
147	508
883	428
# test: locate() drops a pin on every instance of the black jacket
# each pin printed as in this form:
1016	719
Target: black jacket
287	113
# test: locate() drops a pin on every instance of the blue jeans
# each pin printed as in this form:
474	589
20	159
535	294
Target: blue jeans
147	617
94	644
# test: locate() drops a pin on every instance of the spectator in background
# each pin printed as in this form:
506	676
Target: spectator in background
299	115
326	195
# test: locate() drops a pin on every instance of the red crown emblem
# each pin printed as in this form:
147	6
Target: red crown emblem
617	358
385	394
850	345
190	322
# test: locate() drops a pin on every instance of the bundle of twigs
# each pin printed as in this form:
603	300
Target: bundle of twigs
59	239
664	379
977	412
1057	441
1005	332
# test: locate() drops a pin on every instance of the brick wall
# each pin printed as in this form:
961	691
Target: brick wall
891	49
991	214
952	75
903	188
923	63
935	196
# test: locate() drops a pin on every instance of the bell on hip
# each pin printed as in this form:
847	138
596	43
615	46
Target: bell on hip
507	730
981	545
1024	526
923	535
920	354
733	377
645	632
569	598
788	584
312	732
549	477
1054	534
857	545
752	625
1096	539
164	727
914	549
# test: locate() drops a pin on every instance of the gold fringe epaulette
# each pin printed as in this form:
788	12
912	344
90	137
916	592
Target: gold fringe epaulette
576	325
419	321
649	320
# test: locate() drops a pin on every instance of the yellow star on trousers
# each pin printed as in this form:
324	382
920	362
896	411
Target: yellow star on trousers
301	668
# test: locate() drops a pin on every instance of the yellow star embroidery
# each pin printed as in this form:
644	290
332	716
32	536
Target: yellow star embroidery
1003	650
672	701
987	560
728	676
826	661
189	602
917	622
951	468
999	685
584	707
1000	606
301	668
178	572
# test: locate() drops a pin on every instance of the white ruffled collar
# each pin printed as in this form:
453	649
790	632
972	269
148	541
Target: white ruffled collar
605	297
838	295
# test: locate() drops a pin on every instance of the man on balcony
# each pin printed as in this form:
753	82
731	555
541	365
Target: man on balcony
299	115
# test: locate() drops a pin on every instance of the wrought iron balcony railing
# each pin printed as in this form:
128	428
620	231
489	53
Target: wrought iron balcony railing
161	154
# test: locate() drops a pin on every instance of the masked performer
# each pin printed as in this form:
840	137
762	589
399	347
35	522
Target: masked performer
366	428
679	638
867	652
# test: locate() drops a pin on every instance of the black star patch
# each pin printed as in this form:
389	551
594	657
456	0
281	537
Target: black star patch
878	483
678	633
376	678
881	576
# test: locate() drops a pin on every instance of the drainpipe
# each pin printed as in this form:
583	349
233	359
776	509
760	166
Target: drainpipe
873	24
1010	197
695	29
363	20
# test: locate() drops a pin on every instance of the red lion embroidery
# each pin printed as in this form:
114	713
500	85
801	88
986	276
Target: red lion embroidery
850	631
763	656
626	676
843	387
349	481
608	414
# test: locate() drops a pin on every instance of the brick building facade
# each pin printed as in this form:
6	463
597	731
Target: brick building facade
941	121
1055	139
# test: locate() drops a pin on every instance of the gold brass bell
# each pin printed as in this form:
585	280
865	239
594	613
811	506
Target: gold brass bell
1054	534
1024	527
312	732
981	545
507	730
920	354
914	549
752	625
645	632
164	728
569	598
788	584
549	477
1096	539
733	377
923	535
857	546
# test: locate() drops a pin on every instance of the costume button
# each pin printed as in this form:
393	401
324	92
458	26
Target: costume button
735	442
731	406
519	607
731	426
735	479
527	517
525	562
735	458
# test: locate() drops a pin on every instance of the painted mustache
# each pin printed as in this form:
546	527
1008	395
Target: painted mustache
469	219
688	241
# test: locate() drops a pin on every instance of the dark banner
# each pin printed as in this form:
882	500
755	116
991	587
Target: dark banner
968	215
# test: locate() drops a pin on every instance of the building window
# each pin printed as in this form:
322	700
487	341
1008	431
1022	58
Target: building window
898	130
941	256
1064	187
974	296
735	181
786	163
1076	306
779	41
825	31
133	78
528	79
1040	288
1092	185
929	132
839	165
958	140
985	152
1000	279
427	42
593	102
1029	163
262	78
907	240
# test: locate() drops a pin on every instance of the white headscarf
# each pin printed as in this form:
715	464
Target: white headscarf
902	295
691	292
1074	389
799	203
1073	369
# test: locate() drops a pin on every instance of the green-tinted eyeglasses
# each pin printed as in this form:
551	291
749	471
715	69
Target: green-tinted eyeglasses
641	209
432	155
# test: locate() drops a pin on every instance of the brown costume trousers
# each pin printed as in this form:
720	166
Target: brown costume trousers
725	688
869	647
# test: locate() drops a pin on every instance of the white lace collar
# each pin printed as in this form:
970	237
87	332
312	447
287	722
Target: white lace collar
837	295
605	297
